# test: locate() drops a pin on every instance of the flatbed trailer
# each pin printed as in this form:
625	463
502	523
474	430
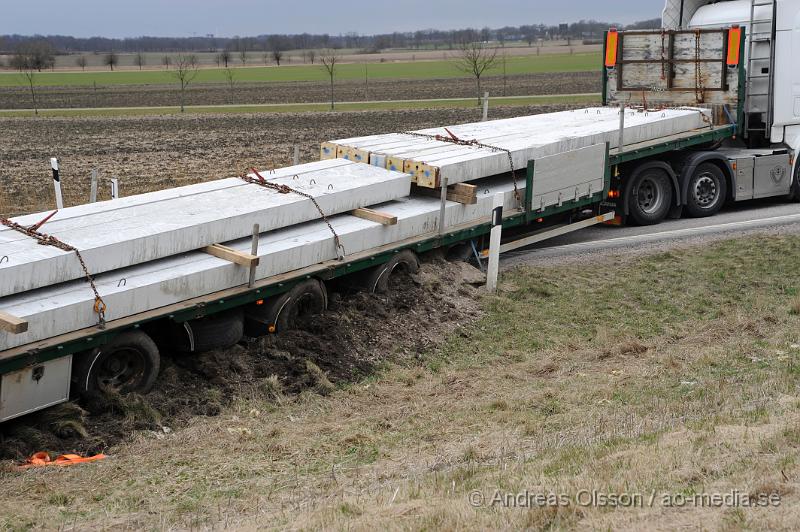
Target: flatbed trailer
46	372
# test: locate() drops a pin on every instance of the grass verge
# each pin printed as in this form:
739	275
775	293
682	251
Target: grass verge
672	375
455	103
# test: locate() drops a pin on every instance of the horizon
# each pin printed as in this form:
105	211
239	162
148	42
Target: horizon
241	18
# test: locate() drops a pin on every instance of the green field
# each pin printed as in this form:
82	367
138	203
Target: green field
402	70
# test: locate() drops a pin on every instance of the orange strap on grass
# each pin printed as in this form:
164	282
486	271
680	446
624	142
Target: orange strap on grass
42	459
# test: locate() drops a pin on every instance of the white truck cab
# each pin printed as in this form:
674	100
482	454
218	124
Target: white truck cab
772	58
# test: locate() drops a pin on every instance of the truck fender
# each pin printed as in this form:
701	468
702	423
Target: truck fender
647	165
694	160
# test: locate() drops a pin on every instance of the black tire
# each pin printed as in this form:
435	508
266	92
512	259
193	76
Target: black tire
650	197
794	191
460	253
377	281
129	363
281	312
219	331
707	191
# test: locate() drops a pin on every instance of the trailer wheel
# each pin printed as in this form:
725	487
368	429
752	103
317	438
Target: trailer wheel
377	282
650	197
707	191
280	313
219	331
129	363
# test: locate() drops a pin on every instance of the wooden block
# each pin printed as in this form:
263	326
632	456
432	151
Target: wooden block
462	196
375	216
352	154
464	189
396	164
422	174
232	255
328	150
12	324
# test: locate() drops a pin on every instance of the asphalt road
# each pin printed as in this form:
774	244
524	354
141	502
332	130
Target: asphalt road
769	215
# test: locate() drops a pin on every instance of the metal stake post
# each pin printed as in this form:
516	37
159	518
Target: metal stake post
114	188
254	252
621	127
296	159
442	206
485	107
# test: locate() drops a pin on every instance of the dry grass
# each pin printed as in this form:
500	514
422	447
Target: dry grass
674	374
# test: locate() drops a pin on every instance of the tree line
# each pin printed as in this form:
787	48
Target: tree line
430	38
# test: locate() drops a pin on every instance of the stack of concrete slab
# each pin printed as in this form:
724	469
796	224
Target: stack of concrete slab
120	233
59	309
429	161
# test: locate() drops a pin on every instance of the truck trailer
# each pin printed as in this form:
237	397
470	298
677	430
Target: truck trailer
699	114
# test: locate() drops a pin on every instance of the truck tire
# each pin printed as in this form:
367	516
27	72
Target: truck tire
281	312
219	331
377	282
650	197
794	191
129	363
707	191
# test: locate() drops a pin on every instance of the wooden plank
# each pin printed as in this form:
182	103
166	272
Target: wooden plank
466	195
375	216
12	324
232	255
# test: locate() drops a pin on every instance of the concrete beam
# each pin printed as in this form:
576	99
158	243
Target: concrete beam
181	220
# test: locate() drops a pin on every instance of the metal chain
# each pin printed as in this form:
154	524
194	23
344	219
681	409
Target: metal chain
285	189
697	78
455	140
49	240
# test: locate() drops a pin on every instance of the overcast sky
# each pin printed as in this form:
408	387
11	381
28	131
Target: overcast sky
182	18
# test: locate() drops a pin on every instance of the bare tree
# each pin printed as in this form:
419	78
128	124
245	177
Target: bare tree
243	55
28	68
230	77
224	57
185	72
29	75
81	61
139	60
310	55
110	60
166	61
35	55
504	63
329	59
277	55
475	58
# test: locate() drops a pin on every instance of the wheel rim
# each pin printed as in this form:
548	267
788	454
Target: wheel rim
649	196
705	191
121	370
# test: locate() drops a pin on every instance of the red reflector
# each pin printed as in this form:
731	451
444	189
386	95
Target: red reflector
612	41
734	45
260	302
